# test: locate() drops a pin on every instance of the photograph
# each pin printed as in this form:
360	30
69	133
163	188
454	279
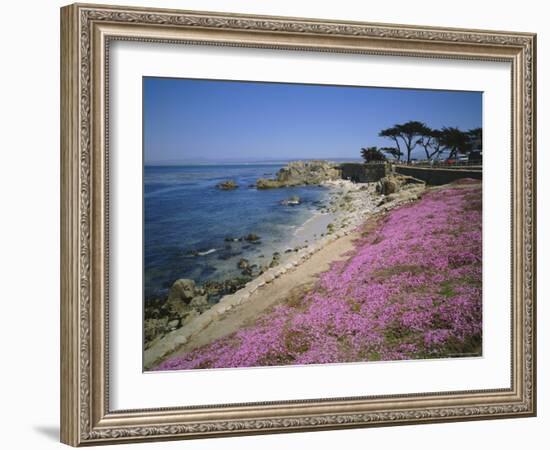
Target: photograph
291	224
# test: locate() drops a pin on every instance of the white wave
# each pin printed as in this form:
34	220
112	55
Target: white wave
207	252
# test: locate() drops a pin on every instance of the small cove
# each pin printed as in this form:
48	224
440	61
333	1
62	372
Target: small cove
194	230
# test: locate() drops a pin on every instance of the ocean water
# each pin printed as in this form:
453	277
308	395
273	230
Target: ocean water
186	221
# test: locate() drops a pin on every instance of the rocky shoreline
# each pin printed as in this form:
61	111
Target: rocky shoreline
336	291
188	308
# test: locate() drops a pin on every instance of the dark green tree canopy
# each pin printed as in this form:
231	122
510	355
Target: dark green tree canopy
407	133
456	141
394	152
430	141
372	154
476	138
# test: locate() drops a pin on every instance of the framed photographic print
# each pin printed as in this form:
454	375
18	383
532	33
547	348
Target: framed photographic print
275	224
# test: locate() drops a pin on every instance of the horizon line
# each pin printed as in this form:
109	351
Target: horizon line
244	161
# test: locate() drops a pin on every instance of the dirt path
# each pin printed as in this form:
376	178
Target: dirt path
289	285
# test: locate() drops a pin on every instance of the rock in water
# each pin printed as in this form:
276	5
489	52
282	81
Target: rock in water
265	183
292	201
228	185
275	260
243	264
251	237
297	173
182	289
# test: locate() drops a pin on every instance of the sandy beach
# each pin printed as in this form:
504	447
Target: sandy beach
348	204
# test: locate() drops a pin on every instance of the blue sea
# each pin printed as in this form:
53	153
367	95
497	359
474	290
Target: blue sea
187	220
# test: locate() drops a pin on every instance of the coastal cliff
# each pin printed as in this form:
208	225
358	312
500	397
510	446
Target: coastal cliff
299	173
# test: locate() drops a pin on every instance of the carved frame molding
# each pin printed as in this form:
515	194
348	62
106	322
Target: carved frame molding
86	31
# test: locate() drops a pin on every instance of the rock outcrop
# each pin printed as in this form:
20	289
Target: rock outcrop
228	185
399	188
185	301
298	173
182	290
395	183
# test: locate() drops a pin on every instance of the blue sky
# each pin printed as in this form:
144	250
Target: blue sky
223	121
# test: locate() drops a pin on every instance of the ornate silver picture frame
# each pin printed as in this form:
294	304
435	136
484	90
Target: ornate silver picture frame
87	32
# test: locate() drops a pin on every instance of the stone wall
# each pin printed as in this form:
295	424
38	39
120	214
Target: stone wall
363	173
437	176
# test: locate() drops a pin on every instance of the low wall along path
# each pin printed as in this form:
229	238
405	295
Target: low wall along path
436	176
